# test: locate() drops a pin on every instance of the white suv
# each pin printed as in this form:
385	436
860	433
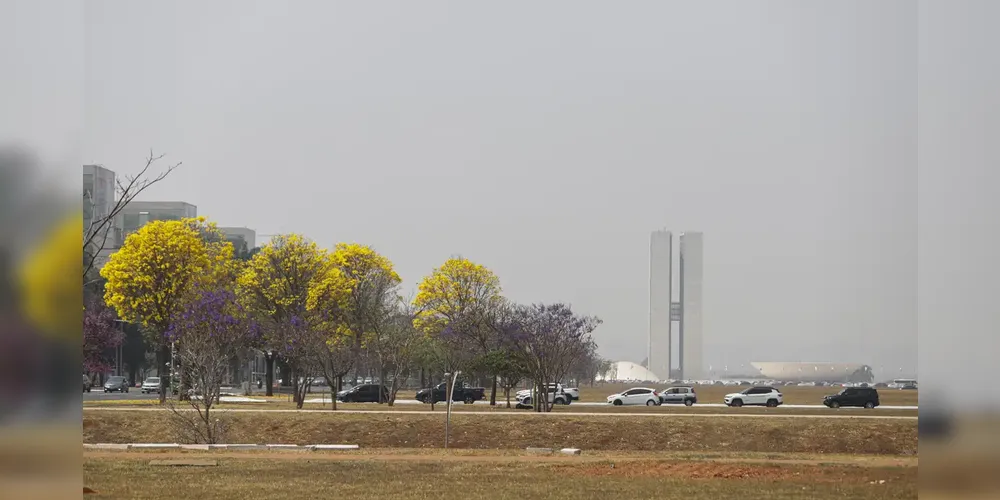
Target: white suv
760	395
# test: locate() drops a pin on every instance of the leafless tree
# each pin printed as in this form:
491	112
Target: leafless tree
205	364
393	344
96	230
337	360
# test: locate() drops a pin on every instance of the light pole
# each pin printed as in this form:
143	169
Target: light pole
448	394
119	365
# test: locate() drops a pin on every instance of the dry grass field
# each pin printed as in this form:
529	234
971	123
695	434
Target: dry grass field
398	476
704	434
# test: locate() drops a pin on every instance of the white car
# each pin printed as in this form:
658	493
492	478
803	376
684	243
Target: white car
151	384
636	396
573	392
758	395
554	392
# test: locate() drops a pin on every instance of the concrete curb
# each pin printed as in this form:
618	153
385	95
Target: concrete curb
105	446
208	447
321	447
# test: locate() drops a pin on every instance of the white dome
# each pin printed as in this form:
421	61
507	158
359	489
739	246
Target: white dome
629	371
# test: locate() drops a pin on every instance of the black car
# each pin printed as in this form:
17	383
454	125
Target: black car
116	383
365	393
853	396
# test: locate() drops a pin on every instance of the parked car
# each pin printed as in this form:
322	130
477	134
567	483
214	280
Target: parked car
116	383
636	396
573	392
555	393
87	384
853	396
757	395
460	392
679	395
364	393
151	384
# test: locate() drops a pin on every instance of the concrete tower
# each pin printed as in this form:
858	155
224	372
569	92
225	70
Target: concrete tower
660	297
690	301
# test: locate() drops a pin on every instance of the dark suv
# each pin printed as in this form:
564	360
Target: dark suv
365	393
853	396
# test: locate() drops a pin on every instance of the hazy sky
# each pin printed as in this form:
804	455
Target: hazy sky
546	140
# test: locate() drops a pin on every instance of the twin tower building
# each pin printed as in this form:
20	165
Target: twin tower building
683	307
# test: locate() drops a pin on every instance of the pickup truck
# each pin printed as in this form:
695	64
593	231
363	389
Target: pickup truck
461	392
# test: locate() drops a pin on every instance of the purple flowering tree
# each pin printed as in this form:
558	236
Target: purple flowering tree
552	339
212	329
100	336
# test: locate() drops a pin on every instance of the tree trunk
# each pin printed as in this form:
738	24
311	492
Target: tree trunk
381	384
422	384
269	374
161	364
493	392
507	395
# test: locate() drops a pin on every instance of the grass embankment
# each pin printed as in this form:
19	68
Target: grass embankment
889	437
266	477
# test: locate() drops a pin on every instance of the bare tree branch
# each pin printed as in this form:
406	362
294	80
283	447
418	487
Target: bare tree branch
126	189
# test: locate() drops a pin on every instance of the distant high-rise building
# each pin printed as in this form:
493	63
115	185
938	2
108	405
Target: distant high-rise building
660	297
137	213
242	238
99	190
690	298
663	311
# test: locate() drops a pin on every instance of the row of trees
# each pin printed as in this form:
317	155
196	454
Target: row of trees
320	312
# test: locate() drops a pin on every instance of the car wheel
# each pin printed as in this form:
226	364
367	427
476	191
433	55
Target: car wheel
772	403
618	402
834	404
688	402
650	403
869	405
737	403
469	400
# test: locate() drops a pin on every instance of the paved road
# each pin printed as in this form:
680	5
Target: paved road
441	413
132	394
699	405
136	395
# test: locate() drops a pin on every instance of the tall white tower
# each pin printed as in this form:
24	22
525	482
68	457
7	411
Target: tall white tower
660	298
691	244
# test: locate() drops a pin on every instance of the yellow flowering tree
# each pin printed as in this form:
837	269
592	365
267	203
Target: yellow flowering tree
276	285
457	305
371	314
149	279
50	285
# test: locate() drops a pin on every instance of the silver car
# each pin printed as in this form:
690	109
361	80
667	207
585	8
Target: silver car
679	395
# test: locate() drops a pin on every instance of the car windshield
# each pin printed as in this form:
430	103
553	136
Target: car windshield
153	380
116	379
